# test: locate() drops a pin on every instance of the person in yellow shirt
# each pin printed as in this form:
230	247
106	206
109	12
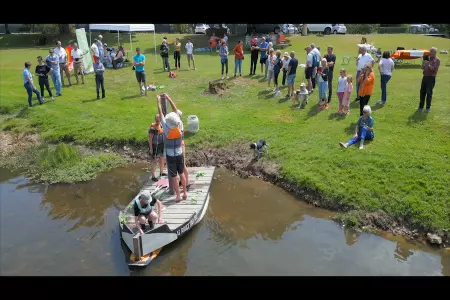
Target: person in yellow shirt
177	53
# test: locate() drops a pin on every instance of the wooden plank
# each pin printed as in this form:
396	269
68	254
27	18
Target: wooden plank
175	215
174	221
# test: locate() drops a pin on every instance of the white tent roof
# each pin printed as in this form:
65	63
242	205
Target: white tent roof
123	27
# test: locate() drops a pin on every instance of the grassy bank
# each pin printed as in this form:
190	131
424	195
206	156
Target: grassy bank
61	163
404	172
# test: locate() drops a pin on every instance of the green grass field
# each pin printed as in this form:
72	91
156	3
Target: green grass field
405	171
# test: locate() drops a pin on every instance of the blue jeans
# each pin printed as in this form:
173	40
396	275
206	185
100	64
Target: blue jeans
238	63
323	87
30	91
384	80
357	83
363	134
56	78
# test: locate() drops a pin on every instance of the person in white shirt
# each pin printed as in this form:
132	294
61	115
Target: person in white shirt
101	53
190	53
63	66
286	60
77	56
363	59
94	51
316	52
309	68
386	67
270	65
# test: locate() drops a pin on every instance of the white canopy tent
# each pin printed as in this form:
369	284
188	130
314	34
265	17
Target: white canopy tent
124	28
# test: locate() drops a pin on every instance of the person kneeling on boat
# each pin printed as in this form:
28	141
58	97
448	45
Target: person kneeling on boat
143	211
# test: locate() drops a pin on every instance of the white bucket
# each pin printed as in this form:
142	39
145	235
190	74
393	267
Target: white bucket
193	124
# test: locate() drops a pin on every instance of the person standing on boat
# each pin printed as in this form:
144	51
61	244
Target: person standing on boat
173	138
143	211
156	147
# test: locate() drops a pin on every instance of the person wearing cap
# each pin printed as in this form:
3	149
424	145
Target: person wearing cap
144	212
292	73
263	48
180	114
63	66
42	71
29	85
300	97
100	47
52	61
286	60
139	63
173	138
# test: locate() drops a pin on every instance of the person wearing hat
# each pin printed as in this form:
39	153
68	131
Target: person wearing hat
144	213
286	60
300	97
52	61
173	139
139	63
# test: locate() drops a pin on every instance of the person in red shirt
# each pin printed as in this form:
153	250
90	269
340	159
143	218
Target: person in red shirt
238	57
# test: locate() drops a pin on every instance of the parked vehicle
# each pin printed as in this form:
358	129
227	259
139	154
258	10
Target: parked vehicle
201	28
323	28
338	28
217	29
290	29
264	28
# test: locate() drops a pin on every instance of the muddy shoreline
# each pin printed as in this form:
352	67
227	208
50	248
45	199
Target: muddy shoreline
240	160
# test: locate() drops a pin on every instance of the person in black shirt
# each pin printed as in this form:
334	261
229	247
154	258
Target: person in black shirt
331	60
291	74
42	71
164	49
254	56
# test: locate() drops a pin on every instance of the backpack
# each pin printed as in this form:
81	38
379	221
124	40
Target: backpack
315	61
280	63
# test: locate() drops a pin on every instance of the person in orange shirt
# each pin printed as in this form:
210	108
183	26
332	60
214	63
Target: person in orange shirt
366	81
238	57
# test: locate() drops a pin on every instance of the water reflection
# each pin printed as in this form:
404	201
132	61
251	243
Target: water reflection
251	208
402	252
87	202
351	236
445	261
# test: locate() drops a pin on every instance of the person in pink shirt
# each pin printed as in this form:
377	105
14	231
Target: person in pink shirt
347	94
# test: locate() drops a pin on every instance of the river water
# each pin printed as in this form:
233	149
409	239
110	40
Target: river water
251	228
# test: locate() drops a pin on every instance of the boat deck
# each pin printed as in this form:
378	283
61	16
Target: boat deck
175	214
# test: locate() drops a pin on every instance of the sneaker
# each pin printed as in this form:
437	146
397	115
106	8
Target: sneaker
326	106
277	93
288	96
275	89
361	147
319	107
195	69
223	77
347	113
343	145
53	99
240	74
419	109
382	102
268	89
163	174
154	179
228	77
234	75
427	110
42	99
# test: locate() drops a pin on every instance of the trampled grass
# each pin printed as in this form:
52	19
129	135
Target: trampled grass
405	171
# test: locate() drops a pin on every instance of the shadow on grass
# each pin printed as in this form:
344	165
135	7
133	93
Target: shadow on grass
188	135
417	116
131	97
92	100
312	111
354	105
336	116
350	130
377	106
283	99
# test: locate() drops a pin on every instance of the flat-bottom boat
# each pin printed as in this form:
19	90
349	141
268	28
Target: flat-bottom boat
178	218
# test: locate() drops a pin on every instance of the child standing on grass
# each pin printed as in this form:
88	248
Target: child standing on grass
347	94
322	74
99	69
342	82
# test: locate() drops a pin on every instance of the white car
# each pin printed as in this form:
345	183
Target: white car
323	28
338	28
290	29
201	28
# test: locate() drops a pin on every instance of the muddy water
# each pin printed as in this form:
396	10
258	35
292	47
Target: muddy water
251	228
